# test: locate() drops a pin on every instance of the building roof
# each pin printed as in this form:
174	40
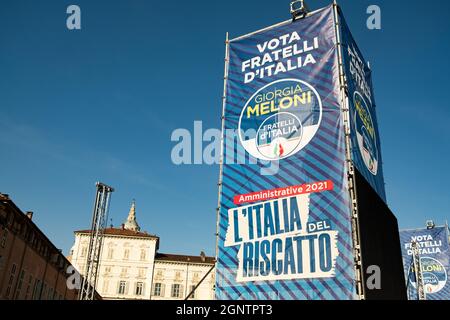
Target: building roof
182	258
122	233
28	221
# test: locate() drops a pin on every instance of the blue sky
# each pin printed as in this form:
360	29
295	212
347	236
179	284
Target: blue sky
101	103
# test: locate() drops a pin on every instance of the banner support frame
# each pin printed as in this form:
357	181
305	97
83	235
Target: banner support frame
350	167
222	151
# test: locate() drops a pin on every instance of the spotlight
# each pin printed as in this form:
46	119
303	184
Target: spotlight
430	224
298	9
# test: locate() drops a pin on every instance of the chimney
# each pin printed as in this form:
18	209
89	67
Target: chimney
203	256
29	215
4	196
123	226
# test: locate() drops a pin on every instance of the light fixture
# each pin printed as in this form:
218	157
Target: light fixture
298	9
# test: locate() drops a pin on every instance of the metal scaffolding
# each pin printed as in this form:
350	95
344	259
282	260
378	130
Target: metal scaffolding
99	220
356	234
421	295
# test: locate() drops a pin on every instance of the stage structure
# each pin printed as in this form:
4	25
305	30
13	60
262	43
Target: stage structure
301	171
99	220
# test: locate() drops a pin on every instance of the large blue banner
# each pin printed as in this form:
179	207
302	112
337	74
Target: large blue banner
284	219
434	253
365	137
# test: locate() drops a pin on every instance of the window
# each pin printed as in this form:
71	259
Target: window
141	272
139	288
105	286
11	280
19	284
4	237
110	253
83	251
124	272
107	270
158	290
176	290
192	296
36	289
50	294
122	287
44	290
126	254
143	255
30	281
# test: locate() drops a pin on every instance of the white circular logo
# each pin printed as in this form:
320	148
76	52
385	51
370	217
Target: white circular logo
280	119
433	273
365	133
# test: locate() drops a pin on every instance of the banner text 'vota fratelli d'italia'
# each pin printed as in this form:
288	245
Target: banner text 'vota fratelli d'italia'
434	252
286	235
366	148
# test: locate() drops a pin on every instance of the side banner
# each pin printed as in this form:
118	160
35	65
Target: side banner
284	221
434	254
366	147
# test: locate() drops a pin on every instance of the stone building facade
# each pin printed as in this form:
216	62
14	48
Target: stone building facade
31	267
132	268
